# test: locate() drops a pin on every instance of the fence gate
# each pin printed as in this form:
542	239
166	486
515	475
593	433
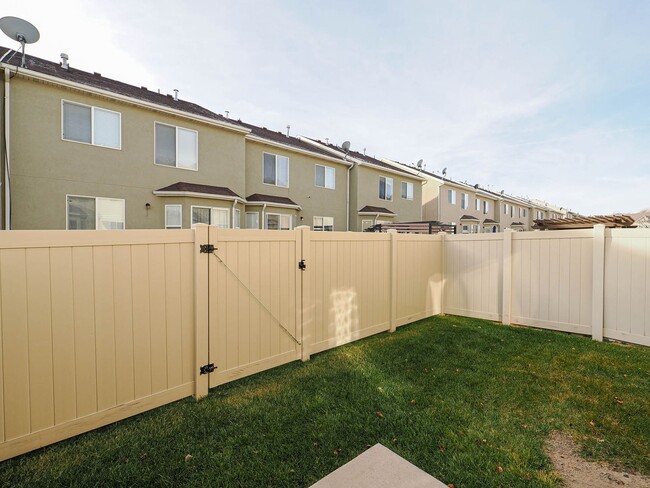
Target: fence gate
254	302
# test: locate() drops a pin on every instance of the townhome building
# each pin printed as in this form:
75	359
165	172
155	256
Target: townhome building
379	192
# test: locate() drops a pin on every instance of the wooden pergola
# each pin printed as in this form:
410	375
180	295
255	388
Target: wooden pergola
620	221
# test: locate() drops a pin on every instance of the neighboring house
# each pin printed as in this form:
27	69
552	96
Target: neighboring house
379	192
642	218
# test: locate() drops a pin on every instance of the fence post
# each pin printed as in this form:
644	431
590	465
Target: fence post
598	291
393	279
201	311
306	298
443	270
506	278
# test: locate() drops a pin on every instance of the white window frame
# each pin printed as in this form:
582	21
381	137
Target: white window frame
392	188
477	204
266	220
212	209
322	226
505	209
325	176
92	124
276	170
258	219
96	198
408	185
196	148
464	201
181	223
486	207
236	219
451	196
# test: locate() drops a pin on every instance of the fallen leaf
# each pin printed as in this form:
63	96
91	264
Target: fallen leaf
451	485
624	376
337	451
316	443
499	469
618	400
380	415
413	402
188	458
394	440
528	476
442	448
591	422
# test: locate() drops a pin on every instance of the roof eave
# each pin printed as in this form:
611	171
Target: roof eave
288	147
211	196
274	204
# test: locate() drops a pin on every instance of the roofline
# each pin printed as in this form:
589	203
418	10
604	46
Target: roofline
378	213
262	140
274	204
124	98
212	196
358	161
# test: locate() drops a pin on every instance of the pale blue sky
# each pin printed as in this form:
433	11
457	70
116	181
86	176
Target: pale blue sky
547	99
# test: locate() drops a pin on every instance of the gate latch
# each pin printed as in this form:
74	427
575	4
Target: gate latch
207	248
208	368
301	265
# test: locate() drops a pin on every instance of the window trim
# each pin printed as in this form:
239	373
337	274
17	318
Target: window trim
276	170
236	213
464	201
196	148
323	217
174	205
486	207
407	183
227	210
246	219
92	124
67	205
325	179
392	188
266	218
451	193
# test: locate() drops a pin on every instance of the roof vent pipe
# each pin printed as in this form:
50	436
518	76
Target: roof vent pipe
227	114
288	129
64	61
176	94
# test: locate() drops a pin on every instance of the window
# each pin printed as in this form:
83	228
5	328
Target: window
173	216
385	188
486	206
505	209
365	224
451	196
522	212
324	224
278	222
218	217
464	200
512	210
237	223
407	190
465	228
474	229
325	177
91	213
477	205
176	147
252	220
276	170
92	125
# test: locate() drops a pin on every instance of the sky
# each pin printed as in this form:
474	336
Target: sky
545	99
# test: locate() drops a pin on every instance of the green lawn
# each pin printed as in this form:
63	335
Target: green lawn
457	397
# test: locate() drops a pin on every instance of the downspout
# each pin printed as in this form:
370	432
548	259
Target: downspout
347	202
7	187
376	218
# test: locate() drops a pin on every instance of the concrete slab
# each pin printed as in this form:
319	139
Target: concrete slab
379	467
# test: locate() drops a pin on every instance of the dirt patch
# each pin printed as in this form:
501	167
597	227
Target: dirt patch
577	472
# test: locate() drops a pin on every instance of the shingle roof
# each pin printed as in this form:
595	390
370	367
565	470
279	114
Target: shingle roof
469	217
367	159
281	138
258	197
371	209
490	221
182	187
96	80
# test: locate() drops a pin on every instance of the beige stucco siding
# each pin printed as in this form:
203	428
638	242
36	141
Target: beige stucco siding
313	200
452	213
45	168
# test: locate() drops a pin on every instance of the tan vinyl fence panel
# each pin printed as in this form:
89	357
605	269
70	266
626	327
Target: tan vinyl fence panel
419	277
255	301
552	279
95	326
627	285
349	288
473	275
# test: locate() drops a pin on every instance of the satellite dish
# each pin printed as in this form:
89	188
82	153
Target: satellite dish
476	186
419	165
20	30
444	171
346	146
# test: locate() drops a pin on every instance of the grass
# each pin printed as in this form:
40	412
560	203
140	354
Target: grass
458	397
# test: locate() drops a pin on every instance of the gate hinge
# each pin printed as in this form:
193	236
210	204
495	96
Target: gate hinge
208	368
301	265
207	248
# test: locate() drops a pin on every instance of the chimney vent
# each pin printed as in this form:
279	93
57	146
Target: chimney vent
288	129
175	94
64	61
227	114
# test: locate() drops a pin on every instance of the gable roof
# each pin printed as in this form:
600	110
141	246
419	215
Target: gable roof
183	188
375	210
96	80
272	199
